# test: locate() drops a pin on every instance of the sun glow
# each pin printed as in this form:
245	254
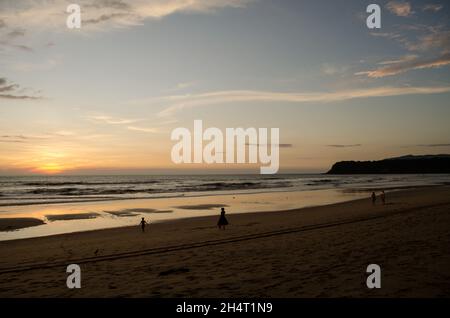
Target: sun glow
50	162
50	168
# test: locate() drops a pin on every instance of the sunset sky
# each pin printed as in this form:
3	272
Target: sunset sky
105	98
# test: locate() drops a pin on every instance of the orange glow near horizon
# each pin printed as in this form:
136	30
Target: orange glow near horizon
49	168
49	161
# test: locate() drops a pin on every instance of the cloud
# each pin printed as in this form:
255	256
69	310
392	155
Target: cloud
403	59
345	146
11	91
42	66
179	102
45	14
432	7
22	47
8	88
104	18
434	145
399	8
279	145
116	4
185	85
435	39
112	121
182	86
64	133
405	65
12	141
19	138
17	97
103	119
430	45
13	138
143	129
419	37
21	20
330	69
16	33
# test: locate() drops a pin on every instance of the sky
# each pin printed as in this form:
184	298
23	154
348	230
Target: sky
104	99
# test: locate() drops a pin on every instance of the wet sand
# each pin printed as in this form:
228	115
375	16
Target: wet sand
310	252
11	224
77	217
73	216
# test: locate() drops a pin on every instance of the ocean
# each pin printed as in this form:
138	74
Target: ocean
27	190
65	204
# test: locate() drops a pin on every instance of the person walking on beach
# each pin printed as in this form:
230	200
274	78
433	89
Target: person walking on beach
222	220
143	224
374	198
383	197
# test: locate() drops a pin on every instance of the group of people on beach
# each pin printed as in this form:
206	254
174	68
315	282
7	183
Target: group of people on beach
223	222
382	197
220	224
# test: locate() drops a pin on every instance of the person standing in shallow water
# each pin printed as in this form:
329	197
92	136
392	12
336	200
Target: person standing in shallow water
383	197
374	198
222	220
143	224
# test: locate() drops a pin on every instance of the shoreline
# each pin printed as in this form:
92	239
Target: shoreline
213	218
68	218
26	222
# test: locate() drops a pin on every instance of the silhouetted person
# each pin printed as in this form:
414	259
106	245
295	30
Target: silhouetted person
383	197
374	198
143	224
222	220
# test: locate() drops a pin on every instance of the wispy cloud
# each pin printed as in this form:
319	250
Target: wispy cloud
432	7
128	123
433	145
9	36
403	59
427	47
22	47
279	145
12	91
399	8
332	69
436	38
13	138
181	86
104	13
42	66
405	65
21	20
144	129
344	146
20	138
111	120
180	102
16	33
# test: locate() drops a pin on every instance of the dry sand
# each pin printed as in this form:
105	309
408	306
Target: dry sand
310	252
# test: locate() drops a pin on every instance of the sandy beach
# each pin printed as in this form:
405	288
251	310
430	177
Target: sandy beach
309	252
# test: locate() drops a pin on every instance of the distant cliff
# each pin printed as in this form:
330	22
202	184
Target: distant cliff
405	164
